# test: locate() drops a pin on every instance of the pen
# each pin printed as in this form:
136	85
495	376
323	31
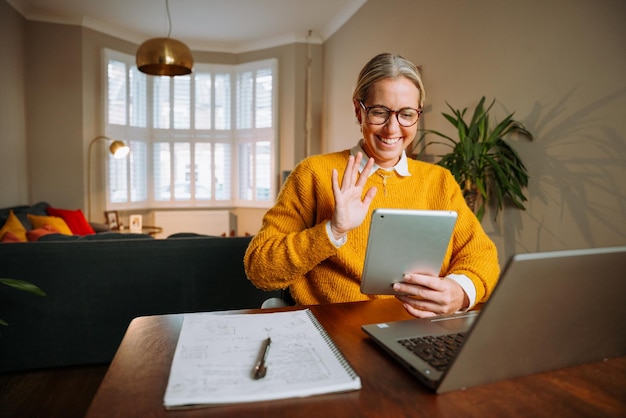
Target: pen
260	368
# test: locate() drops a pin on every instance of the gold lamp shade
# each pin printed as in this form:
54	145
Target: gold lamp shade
119	149
164	56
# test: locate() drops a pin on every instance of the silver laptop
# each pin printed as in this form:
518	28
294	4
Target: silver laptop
549	310
404	241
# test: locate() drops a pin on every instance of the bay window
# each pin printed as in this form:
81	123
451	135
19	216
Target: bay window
205	139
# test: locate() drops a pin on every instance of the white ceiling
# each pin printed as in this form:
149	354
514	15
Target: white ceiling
207	25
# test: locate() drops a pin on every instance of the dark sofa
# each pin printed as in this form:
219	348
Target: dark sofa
96	287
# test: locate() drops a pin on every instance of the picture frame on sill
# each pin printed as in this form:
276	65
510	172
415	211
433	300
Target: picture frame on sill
136	222
113	219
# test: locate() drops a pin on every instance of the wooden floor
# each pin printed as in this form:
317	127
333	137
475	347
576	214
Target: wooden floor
61	392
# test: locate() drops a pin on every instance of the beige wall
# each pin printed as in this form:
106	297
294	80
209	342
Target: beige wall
13	165
54	115
559	64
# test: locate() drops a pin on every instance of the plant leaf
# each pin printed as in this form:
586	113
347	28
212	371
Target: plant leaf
23	285
481	212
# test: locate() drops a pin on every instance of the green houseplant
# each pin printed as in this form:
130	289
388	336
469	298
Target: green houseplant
481	161
21	285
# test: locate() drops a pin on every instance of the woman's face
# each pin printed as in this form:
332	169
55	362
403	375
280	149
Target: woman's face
386	142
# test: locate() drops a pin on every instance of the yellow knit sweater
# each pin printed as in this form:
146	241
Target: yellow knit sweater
293	250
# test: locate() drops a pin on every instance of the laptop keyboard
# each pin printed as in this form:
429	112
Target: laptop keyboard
437	350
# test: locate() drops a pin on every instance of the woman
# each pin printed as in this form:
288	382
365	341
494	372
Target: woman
314	239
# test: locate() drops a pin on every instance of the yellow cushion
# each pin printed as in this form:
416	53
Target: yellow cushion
53	221
15	226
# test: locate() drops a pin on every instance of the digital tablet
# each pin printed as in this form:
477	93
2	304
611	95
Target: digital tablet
404	241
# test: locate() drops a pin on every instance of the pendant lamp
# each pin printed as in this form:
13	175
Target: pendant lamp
164	56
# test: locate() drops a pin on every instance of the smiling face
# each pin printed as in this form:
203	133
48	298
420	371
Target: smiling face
386	142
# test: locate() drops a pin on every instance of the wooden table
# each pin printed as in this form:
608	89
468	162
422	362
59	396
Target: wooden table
135	382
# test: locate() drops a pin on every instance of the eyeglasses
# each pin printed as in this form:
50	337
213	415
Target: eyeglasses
379	115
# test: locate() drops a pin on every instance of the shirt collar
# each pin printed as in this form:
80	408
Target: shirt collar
402	167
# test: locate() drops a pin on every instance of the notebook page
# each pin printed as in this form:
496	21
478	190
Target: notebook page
216	354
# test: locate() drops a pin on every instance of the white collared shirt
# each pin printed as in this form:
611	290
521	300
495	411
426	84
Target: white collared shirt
402	167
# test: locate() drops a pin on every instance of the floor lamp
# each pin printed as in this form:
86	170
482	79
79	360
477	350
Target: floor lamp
119	150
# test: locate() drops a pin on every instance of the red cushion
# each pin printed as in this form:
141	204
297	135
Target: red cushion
74	219
35	234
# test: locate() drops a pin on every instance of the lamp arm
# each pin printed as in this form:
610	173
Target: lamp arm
93	141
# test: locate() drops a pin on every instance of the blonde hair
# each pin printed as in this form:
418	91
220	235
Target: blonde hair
384	66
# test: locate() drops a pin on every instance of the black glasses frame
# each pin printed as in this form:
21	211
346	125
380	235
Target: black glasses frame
397	112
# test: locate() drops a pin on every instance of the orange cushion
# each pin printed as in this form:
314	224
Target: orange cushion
53	221
74	219
35	234
14	226
10	237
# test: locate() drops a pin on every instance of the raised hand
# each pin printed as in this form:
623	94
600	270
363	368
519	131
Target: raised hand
350	207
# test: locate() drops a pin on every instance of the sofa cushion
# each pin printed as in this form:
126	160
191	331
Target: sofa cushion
59	237
38	209
100	227
37	233
53	221
103	236
190	235
112	235
4	212
14	226
74	219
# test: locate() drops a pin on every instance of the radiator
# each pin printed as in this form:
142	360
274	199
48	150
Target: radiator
208	222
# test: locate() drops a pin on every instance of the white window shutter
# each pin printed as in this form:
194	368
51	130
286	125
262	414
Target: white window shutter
191	137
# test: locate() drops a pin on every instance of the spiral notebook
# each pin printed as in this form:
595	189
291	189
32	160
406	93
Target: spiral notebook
216	354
